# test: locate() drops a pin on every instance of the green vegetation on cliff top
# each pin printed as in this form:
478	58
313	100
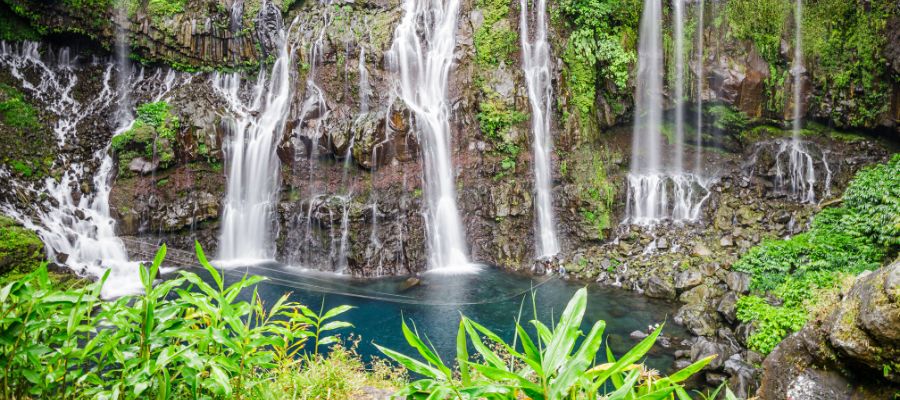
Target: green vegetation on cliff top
859	235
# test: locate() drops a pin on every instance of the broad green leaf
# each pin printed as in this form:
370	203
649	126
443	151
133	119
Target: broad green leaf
411	364
566	332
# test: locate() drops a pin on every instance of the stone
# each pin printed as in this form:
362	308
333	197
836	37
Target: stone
662	243
705	347
140	165
687	280
726	241
409	283
660	288
738	282
728	307
638	334
700	250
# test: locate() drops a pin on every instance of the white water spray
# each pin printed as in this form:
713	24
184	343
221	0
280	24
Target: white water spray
423	65
536	66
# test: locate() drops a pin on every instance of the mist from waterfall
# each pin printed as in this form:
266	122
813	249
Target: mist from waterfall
536	66
659	189
423	66
253	168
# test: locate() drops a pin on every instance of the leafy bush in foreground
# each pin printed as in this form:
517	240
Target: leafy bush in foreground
181	339
859	235
552	365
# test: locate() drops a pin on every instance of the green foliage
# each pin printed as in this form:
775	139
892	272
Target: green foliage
340	375
26	146
151	136
552	364
494	40
15	111
859	235
601	46
728	119
21	250
495	121
165	7
14	28
182	338
761	21
844	42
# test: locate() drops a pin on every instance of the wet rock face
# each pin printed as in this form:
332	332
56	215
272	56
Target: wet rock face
850	351
201	35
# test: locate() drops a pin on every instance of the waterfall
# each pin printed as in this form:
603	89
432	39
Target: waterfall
424	65
76	227
800	175
253	167
658	188
536	66
678	33
123	67
364	88
698	166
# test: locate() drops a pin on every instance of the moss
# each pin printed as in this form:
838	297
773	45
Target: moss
15	28
588	172
153	136
496	121
21	250
760	21
27	147
495	40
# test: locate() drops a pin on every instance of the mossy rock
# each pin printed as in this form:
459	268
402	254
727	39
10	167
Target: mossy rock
27	145
21	250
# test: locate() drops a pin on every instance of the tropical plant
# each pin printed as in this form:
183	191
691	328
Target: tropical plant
557	363
182	338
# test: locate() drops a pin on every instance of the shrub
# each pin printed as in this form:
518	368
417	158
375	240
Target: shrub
553	364
182	338
859	235
152	136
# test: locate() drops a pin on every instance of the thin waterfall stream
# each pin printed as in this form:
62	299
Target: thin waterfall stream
538	76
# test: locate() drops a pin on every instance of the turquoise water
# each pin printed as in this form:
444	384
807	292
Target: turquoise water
491	297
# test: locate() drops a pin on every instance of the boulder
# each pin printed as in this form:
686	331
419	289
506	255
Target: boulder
738	282
851	352
660	288
687	280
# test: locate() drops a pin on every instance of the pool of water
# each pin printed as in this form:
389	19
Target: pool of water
492	297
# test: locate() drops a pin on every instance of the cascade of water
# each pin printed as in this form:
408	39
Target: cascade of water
364	87
698	167
801	175
536	66
648	96
659	189
76	228
678	33
424	65
123	66
253	166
